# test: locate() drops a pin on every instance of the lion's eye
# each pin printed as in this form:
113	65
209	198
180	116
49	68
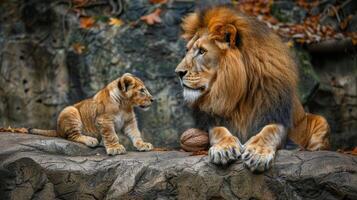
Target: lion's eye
202	51
142	90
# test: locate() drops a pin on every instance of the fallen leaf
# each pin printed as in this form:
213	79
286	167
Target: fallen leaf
354	152
115	22
153	17
351	152
86	22
290	43
78	48
158	1
354	41
345	22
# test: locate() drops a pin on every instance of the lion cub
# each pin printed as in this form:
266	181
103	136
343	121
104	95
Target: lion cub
96	118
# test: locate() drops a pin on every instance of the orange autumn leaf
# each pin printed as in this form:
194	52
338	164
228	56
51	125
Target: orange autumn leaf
351	152
153	17
157	1
78	48
86	22
290	43
115	21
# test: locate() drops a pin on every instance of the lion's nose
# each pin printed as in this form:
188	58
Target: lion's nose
152	100
181	74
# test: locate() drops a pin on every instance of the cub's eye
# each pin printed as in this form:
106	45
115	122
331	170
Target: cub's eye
202	51
187	50
142	90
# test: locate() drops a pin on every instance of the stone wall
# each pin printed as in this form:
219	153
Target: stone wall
41	73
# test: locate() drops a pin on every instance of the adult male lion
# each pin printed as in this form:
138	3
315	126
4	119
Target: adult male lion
242	75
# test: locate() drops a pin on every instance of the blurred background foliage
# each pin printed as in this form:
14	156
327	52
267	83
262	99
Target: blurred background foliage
57	52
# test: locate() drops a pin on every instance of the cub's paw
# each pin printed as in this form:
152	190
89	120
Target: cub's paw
116	149
229	149
257	155
143	146
90	141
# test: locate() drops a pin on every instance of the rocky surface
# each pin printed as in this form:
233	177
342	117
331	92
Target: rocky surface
41	72
36	167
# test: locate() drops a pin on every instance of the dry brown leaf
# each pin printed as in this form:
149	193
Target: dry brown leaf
158	1
354	152
351	152
86	22
115	21
354	38
345	22
153	17
290	43
78	48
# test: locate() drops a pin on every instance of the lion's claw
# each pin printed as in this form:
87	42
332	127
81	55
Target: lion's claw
258	158
222	153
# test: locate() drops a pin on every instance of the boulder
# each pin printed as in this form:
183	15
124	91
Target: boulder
37	167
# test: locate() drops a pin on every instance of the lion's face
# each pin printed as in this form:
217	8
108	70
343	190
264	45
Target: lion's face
135	91
197	70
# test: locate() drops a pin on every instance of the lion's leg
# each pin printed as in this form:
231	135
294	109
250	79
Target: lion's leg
131	130
320	130
70	127
259	151
224	146
106	127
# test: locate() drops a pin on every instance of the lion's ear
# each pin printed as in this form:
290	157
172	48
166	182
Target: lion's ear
190	25
126	82
226	36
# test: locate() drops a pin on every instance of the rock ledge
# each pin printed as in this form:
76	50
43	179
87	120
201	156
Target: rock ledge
36	167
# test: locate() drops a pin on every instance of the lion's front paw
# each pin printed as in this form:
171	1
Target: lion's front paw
90	141
116	149
258	156
227	150
143	146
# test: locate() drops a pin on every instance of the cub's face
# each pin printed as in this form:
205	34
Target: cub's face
135	91
197	70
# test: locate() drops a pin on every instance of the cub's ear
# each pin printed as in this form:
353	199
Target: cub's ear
126	82
226	36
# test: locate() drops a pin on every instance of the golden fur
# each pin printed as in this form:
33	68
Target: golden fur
96	118
239	70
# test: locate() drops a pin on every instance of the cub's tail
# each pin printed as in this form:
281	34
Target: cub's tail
48	133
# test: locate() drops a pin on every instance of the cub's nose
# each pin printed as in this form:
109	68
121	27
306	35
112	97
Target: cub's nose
181	74
152	100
